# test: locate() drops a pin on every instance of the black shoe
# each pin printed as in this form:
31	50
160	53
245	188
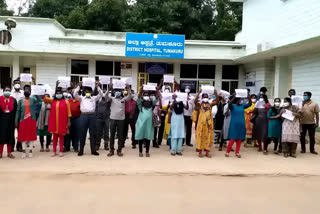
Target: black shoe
120	154
314	152
76	150
66	150
106	147
97	148
302	151
80	153
95	153
156	146
111	153
134	146
189	144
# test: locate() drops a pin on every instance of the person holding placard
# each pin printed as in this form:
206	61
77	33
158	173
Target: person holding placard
59	119
205	125
18	94
274	126
27	122
260	123
187	117
43	123
117	119
290	135
88	118
131	118
218	122
237	129
177	131
8	108
144	126
248	115
309	122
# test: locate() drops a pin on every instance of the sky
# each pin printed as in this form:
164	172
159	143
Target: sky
14	5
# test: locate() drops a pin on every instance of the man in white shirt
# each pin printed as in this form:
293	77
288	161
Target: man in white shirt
18	94
187	117
87	117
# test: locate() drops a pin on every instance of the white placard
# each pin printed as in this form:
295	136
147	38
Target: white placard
89	82
127	80
153	84
118	84
165	98
260	104
48	89
207	89
224	94
241	93
168	78
149	88
104	80
182	96
126	69
38	90
288	115
25	77
64	82
297	101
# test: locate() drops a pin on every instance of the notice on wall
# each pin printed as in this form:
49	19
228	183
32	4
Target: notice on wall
241	93
156	68
25	77
89	82
168	78
127	80
64	82
104	80
126	69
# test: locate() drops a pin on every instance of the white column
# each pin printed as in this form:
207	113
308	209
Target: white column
92	67
68	68
281	78
15	67
218	77
242	77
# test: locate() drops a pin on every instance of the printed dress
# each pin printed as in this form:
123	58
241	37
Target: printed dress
205	127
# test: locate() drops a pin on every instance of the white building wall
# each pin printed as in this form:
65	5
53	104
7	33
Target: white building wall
306	74
275	23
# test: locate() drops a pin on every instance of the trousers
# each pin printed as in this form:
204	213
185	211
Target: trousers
103	129
117	126
146	142
87	121
48	141
132	123
55	142
310	128
9	147
238	146
176	145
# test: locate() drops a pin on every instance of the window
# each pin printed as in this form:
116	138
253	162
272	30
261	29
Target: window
188	70
230	72
79	69
207	71
170	69
117	68
104	68
229	86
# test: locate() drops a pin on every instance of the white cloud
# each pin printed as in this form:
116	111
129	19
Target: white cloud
15	4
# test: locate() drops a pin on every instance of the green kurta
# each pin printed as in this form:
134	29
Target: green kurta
275	125
144	125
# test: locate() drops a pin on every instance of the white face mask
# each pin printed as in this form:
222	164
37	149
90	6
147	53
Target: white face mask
17	86
286	105
166	91
261	99
205	100
187	90
178	100
65	94
277	104
254	100
146	98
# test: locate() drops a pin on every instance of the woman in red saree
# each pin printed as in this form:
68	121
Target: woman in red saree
59	120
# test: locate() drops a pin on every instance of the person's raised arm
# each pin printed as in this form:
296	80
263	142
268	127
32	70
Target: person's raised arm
197	97
174	101
187	106
231	102
100	92
129	96
47	100
216	100
76	92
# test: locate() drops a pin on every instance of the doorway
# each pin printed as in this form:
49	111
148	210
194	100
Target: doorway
5	77
155	78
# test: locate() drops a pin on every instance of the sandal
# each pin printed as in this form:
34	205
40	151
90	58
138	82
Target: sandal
238	155
220	149
208	155
227	155
200	155
173	154
47	150
140	155
10	156
54	154
41	150
147	155
60	154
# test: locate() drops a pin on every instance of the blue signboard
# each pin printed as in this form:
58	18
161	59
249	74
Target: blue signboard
156	68
155	45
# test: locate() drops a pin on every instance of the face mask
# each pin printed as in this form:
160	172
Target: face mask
213	96
277	104
261	99
187	90
117	94
146	98
153	97
17	86
286	105
27	94
305	98
261	92
59	96
254	100
65	94
178	100
205	100
166	91
241	102
88	95
7	93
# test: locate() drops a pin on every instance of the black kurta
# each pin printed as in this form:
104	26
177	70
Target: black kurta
7	125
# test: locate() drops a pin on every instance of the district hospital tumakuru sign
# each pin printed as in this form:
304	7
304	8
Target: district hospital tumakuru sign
155	45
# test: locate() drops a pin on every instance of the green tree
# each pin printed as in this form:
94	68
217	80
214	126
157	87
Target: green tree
4	9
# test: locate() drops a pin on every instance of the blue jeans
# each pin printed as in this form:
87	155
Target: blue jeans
74	132
87	121
176	145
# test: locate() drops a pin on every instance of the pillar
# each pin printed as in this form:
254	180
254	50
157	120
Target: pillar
281	81
92	67
218	77
15	67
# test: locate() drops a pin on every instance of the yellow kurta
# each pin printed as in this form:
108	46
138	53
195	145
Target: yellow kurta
205	127
247	116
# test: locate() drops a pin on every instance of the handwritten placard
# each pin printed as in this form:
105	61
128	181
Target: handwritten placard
38	90
182	97
241	93
165	98
25	77
288	115
104	80
207	89
64	82
153	84
89	82
149	88
127	80
297	101
118	84
224	94
168	78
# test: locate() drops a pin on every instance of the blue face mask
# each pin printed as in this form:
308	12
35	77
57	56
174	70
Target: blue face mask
305	98
59	96
214	96
117	93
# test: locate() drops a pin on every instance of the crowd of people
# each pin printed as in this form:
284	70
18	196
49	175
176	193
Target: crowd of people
107	113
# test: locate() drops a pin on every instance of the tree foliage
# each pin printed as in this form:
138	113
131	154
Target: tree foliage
4	10
197	19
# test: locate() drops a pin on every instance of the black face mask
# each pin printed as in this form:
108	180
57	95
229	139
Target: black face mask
147	104
27	94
